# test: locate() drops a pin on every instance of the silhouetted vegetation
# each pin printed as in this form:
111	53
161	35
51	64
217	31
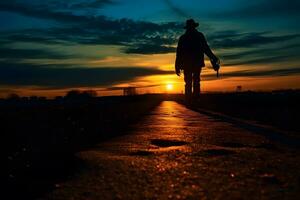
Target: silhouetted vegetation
76	94
43	135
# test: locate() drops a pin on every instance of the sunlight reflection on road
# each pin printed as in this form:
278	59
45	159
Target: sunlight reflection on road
171	124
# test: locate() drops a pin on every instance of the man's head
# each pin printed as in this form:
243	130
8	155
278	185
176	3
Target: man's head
191	24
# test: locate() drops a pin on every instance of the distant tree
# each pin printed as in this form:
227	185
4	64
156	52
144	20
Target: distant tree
73	94
13	96
239	88
89	93
77	94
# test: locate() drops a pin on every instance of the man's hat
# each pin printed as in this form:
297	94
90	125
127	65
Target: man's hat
190	23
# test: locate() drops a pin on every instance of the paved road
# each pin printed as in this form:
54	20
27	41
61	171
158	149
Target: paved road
176	153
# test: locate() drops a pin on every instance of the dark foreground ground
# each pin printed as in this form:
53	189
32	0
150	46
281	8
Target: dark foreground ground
176	153
42	138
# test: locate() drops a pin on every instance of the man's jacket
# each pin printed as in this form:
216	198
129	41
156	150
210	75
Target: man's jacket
191	49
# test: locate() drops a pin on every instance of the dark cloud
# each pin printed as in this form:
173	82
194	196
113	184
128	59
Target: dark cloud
88	21
255	73
154	41
149	49
40	12
232	39
262	55
84	29
224	34
67	76
151	42
255	48
152	45
263	60
10	53
136	40
275	72
30	36
136	86
138	37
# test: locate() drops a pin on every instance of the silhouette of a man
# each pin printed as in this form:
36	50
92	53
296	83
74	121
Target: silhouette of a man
191	48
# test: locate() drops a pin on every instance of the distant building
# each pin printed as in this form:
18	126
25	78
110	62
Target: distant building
129	91
238	88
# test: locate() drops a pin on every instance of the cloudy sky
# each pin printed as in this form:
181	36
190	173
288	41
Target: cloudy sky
50	46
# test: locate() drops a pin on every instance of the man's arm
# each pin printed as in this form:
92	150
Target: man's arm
178	62
207	50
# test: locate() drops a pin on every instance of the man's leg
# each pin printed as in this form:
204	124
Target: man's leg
196	83
188	85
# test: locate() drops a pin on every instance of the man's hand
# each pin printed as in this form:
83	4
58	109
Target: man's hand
216	60
178	72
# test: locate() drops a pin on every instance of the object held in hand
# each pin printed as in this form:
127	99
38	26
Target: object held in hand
216	65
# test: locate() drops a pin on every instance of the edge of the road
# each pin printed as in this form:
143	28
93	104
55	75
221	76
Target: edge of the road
292	139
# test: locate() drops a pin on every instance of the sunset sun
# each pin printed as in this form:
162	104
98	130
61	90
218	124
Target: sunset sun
169	86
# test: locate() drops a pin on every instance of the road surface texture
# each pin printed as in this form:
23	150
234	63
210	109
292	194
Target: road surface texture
177	153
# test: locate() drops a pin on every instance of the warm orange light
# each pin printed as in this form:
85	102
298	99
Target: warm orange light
169	87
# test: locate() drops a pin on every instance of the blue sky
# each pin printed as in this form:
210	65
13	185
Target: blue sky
52	45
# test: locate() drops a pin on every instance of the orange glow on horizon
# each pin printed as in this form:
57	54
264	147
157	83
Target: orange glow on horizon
176	86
